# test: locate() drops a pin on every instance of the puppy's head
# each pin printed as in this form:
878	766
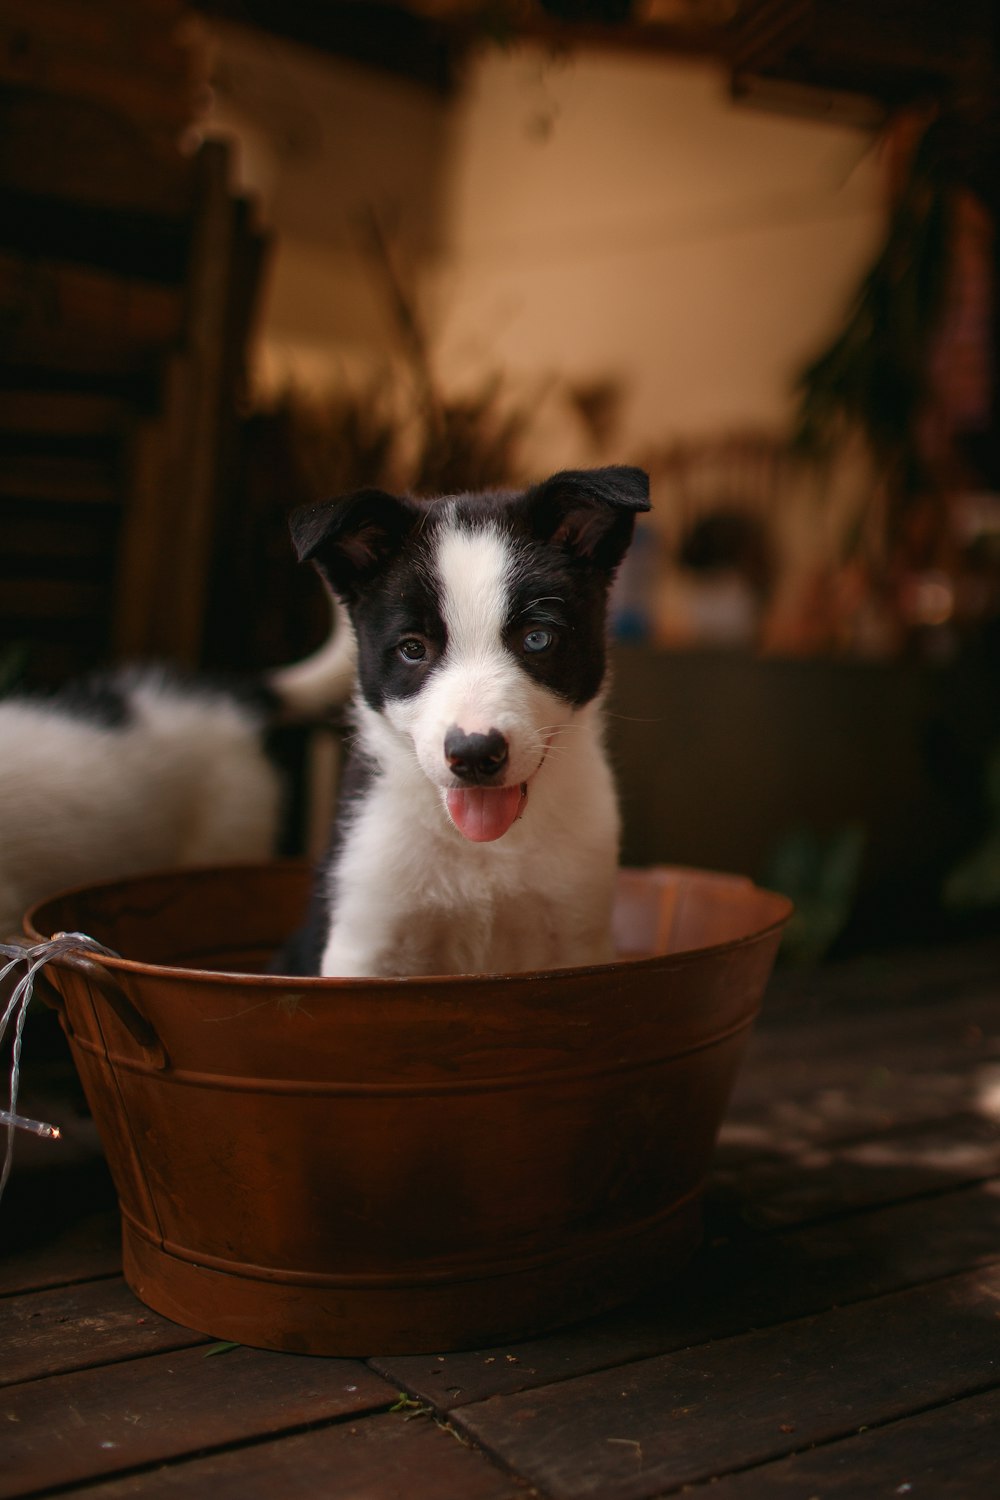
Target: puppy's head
480	621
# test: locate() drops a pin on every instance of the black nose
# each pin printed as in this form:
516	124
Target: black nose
475	757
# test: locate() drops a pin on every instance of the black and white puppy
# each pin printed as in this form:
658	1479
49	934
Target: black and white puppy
140	769
478	829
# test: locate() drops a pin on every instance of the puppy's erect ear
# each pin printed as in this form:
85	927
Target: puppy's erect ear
590	513
350	539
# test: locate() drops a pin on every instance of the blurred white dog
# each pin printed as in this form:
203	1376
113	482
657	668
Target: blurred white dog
141	769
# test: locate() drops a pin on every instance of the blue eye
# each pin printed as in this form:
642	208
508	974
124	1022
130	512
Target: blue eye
538	640
411	649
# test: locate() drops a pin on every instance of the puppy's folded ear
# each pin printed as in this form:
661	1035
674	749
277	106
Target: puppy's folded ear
590	513
350	539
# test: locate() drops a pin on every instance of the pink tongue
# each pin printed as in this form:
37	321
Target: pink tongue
484	813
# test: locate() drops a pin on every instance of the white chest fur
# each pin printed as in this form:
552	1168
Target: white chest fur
412	896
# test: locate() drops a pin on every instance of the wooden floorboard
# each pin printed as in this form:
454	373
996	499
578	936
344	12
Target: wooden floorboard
386	1457
660	1423
72	1328
100	1421
75	1251
951	1452
837	1335
787	1182
732	1288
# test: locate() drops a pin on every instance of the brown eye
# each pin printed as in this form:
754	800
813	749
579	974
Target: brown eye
412	650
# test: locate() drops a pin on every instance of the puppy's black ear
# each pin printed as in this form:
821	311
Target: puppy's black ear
590	513
350	539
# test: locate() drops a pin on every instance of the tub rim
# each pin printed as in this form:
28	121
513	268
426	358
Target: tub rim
784	908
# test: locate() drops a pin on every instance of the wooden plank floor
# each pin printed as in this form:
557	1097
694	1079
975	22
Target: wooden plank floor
837	1336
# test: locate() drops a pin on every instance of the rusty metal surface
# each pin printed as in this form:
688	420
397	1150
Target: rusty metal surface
333	1166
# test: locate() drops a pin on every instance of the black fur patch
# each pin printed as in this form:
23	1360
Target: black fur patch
554	586
100	701
302	954
574	607
104	699
402	603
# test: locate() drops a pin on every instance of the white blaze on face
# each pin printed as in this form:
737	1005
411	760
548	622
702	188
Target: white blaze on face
479	686
474	573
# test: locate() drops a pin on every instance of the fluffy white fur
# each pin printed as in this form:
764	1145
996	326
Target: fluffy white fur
539	898
412	896
185	781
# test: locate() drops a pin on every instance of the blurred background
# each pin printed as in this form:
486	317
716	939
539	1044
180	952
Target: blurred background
256	252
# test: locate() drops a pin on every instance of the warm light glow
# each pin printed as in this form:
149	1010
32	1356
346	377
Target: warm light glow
930	599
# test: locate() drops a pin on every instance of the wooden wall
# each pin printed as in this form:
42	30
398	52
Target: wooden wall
128	270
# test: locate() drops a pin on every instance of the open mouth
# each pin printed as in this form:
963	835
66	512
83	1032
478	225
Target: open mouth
484	813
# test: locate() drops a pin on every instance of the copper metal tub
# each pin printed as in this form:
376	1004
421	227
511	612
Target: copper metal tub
363	1166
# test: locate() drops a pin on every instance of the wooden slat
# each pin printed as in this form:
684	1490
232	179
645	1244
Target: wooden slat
29	599
53	308
74	1328
879	1102
680	1418
64	535
163	108
74	480
952	1452
733	1286
917	1036
135	242
392	1457
65	413
76	1427
70	24
871	986
801	1180
177	473
855	1073
76	1250
83	28
95	132
55	357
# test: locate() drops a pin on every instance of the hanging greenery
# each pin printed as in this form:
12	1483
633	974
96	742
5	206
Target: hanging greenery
873	377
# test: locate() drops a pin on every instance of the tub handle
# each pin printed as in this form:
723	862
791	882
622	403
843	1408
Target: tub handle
132	1019
135	1023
